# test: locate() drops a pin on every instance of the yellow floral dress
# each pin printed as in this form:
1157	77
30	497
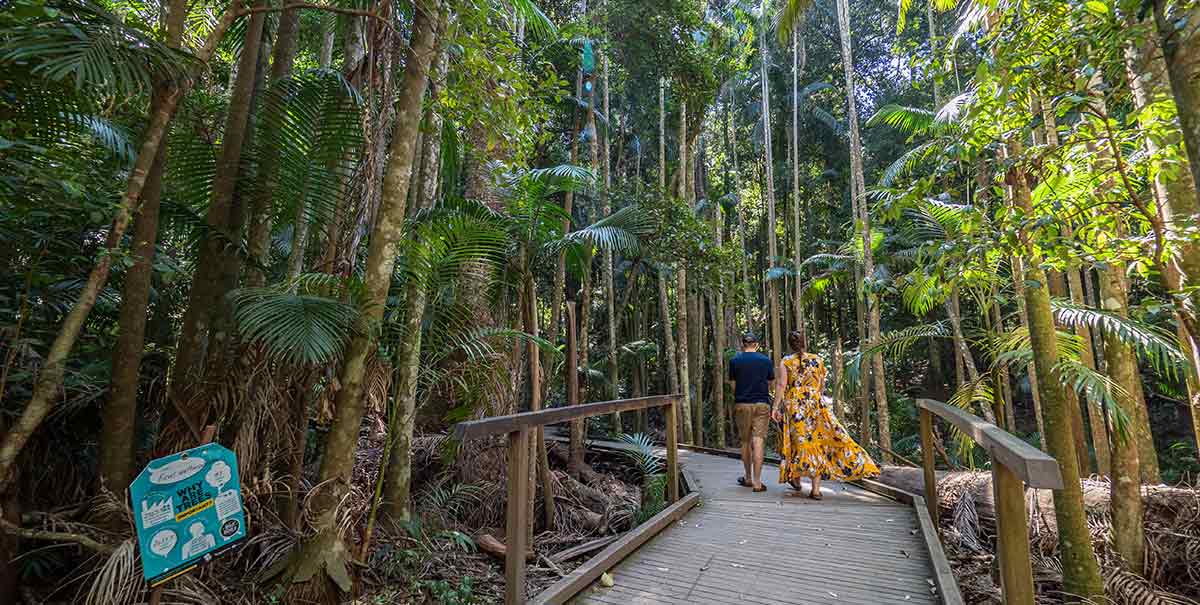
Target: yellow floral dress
814	441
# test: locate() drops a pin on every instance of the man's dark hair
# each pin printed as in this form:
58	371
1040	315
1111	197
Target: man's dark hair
749	338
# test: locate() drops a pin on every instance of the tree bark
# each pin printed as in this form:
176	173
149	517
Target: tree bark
681	296
558	296
119	421
769	167
325	552
283	55
797	67
1081	573
610	292
1128	532
205	299
864	219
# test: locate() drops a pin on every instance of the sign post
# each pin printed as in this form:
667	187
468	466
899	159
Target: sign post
187	509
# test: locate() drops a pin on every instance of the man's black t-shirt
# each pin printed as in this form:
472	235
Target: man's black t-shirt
751	373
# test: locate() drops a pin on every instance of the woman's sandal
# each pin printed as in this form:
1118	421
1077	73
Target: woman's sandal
815	495
761	488
742	482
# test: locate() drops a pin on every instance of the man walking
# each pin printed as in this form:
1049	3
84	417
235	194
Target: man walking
751	373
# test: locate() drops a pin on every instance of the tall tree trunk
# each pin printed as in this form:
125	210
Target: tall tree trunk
718	329
210	281
769	167
610	292
864	219
283	55
664	309
301	224
1019	279
50	378
681	296
797	67
1081	573
325	552
1154	71
408	355
1058	289
119	420
1127	510
557	297
747	290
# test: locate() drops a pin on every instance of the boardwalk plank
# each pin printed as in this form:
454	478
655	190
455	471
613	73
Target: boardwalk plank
775	548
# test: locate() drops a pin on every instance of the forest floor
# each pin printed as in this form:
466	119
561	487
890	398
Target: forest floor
452	551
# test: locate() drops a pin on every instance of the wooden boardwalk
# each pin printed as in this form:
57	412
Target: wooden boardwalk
776	547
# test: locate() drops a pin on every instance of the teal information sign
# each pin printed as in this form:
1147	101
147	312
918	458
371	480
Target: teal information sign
188	509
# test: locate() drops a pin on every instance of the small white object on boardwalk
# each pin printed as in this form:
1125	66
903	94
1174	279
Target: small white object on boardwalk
776	546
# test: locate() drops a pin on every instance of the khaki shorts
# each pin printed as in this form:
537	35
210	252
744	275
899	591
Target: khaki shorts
752	419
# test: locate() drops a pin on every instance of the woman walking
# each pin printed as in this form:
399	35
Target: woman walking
815	444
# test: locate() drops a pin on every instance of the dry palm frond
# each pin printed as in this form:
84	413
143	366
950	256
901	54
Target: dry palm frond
1126	588
119	578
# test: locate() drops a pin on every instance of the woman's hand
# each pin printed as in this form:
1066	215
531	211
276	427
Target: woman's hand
776	415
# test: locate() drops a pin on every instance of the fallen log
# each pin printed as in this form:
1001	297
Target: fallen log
494	547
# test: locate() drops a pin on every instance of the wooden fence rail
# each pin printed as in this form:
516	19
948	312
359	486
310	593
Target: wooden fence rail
1015	464
519	428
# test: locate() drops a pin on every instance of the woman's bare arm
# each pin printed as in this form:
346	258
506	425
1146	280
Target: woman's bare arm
780	386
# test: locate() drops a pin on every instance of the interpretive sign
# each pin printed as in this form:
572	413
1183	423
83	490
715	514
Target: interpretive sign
188	509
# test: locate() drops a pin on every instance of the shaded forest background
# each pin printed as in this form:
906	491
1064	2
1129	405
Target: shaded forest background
331	231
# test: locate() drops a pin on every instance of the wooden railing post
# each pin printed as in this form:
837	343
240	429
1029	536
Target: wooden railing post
1012	536
927	449
672	452
517	516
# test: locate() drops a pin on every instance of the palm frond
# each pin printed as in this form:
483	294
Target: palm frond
620	231
897	342
642	453
83	44
295	328
790	17
537	22
1159	347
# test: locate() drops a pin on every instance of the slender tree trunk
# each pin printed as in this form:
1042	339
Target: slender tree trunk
119	421
1121	362
283	55
797	67
325	552
1081	573
610	292
223	231
557	297
1058	289
681	296
664	309
747	290
408	355
864	218
50	378
1019	279
1088	357
769	167
301	224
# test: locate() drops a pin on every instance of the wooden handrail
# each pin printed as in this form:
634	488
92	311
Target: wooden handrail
501	425
1033	466
1015	464
520	429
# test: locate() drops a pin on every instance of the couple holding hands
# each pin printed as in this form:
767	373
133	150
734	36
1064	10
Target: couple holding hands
814	443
